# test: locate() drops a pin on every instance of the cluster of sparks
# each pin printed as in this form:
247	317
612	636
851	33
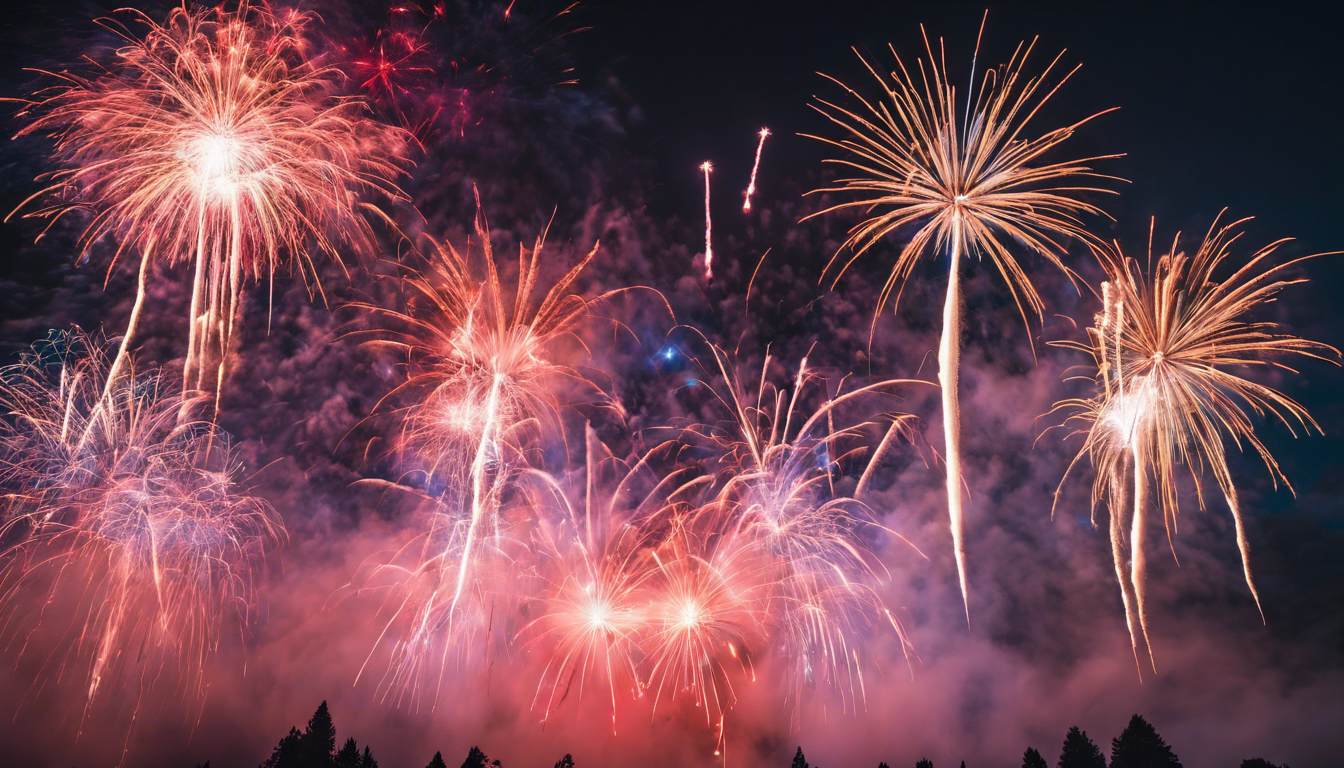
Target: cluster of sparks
214	139
124	510
668	579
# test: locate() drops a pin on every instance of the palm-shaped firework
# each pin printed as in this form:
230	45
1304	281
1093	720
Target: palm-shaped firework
964	174
213	138
1167	347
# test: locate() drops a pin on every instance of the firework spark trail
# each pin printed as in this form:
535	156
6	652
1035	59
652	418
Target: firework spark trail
969	182
214	139
1162	347
709	224
130	520
751	186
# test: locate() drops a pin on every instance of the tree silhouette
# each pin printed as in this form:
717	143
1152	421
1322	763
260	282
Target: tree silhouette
319	740
287	753
925	763
348	757
437	762
1032	759
315	747
798	760
475	759
1139	746
1254	762
1080	752
882	765
566	762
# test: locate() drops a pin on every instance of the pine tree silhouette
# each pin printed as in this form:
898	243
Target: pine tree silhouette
798	760
348	757
1032	759
1080	752
475	759
367	760
882	765
437	762
319	740
925	763
287	753
1139	746
566	762
1254	762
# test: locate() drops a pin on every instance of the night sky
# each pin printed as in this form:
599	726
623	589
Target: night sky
1219	107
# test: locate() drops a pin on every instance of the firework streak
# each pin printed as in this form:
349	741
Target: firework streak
709	224
751	186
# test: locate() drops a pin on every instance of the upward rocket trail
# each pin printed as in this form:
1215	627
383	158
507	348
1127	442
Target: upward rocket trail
709	227
751	187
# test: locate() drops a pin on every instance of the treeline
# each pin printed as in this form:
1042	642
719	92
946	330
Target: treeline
315	747
1138	746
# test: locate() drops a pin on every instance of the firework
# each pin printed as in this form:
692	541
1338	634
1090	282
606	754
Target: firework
598	546
781	522
967	179
709	224
1166	348
484	366
751	186
214	139
131	520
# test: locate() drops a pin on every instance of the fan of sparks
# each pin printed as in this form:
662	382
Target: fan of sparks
1167	349
963	177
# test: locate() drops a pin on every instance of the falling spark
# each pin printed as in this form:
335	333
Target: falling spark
751	187
1162	346
709	226
969	181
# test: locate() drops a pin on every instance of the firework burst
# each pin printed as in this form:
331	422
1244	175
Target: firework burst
1167	347
484	366
598	543
214	139
785	525
966	176
131	519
